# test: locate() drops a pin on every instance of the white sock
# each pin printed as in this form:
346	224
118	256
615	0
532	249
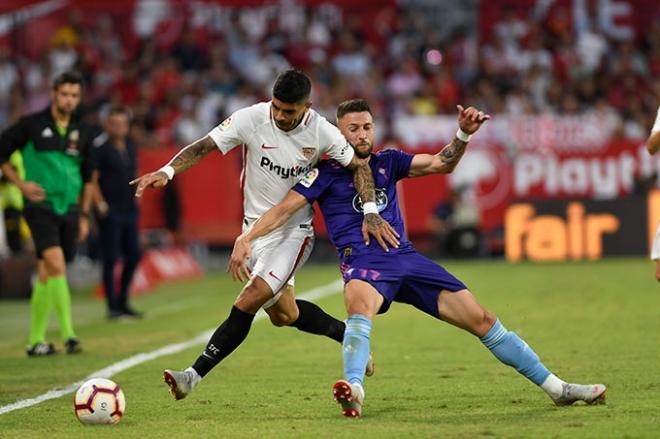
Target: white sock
553	386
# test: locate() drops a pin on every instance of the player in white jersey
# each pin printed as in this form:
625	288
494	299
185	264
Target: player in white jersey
282	140
653	145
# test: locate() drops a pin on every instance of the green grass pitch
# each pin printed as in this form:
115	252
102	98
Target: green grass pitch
589	322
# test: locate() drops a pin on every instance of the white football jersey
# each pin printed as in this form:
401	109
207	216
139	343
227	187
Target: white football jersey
275	160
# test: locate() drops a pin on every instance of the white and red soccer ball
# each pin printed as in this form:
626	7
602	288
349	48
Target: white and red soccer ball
99	401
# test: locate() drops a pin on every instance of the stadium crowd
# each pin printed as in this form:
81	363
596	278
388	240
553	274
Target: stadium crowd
180	83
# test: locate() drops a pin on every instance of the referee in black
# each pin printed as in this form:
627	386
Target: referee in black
57	189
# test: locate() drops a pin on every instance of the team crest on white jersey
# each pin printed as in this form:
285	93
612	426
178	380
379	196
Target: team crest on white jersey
308	152
225	123
310	177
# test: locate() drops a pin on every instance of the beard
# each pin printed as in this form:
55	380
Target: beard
363	150
63	109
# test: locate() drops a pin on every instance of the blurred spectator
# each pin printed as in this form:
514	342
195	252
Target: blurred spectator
117	210
455	225
543	59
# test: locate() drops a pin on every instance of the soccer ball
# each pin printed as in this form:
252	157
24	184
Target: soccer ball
99	401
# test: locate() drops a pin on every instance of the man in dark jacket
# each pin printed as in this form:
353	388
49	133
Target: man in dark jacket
116	158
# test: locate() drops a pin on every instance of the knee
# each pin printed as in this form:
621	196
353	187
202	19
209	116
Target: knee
361	298
251	298
283	318
54	267
483	322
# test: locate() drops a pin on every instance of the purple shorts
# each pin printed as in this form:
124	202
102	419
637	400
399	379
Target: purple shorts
402	277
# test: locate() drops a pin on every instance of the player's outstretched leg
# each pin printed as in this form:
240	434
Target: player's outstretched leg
510	349
462	310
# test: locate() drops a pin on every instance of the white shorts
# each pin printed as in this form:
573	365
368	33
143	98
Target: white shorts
276	257
655	250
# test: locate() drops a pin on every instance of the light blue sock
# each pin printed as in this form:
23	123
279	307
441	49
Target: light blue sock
513	351
355	347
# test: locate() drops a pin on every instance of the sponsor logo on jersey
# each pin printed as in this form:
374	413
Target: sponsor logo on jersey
225	123
309	178
381	201
293	171
47	132
309	152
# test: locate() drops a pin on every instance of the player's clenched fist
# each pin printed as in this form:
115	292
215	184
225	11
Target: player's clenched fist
470	119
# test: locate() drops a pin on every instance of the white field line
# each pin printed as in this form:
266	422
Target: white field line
120	366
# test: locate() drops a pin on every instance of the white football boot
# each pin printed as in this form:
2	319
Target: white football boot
350	397
590	393
181	383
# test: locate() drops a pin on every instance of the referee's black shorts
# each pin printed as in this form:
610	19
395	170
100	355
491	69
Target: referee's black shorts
52	230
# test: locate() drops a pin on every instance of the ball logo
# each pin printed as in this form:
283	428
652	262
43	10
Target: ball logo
310	177
381	201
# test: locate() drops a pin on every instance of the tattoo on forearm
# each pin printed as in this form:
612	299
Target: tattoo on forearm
452	153
373	221
363	180
192	153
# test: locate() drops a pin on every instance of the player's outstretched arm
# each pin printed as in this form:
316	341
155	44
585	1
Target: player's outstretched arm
469	121
373	223
183	160
275	217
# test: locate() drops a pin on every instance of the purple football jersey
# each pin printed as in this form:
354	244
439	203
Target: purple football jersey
331	185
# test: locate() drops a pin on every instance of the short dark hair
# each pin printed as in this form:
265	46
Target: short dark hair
119	109
292	86
353	106
67	78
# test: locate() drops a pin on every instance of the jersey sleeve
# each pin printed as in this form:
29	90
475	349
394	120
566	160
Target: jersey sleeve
12	139
401	162
335	144
656	125
231	131
314	183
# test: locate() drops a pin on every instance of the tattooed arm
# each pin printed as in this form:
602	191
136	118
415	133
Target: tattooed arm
444	162
373	224
183	160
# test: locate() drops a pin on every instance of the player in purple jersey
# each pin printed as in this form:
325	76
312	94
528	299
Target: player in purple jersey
374	278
